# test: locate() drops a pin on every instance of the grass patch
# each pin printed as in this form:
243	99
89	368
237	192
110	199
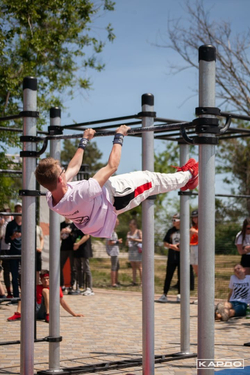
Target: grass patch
100	268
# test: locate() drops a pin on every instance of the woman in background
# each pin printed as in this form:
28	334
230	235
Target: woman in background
134	238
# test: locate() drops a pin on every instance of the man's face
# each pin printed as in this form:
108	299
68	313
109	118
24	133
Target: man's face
239	271
18	209
45	281
176	222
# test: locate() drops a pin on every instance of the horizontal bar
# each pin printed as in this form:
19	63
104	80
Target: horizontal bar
159	128
239	117
10	171
217	195
100	121
11	117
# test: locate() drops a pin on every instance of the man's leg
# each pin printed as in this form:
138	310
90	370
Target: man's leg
169	275
63	257
72	268
88	272
6	273
130	189
14	265
45	293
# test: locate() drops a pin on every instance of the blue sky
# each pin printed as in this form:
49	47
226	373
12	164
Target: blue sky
134	66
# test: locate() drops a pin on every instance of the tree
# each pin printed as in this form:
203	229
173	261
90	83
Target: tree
54	41
91	155
232	80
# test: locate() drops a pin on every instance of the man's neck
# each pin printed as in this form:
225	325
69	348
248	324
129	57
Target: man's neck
57	195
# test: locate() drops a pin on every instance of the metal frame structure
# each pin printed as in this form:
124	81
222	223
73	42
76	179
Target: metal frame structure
203	131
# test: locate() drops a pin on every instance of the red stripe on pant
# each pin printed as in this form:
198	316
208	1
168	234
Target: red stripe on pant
140	189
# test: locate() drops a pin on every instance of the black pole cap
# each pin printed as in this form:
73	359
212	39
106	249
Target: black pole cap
207	53
30	83
147	99
55	112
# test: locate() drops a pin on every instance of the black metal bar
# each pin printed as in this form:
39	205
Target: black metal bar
87	123
216	195
236	116
3	128
160	128
114	365
17	342
10	171
11	117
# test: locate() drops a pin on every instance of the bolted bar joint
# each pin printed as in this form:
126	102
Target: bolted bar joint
55	129
53	339
207	111
30	193
146	114
206	125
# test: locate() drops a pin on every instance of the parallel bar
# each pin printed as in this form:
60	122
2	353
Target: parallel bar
239	117
139	130
87	123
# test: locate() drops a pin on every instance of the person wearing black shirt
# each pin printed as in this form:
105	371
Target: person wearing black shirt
13	236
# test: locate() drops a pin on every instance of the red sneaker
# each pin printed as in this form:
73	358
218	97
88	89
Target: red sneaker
193	167
47	318
9	295
16	316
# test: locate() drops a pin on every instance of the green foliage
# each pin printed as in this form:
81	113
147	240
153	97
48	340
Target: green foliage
53	41
10	183
91	155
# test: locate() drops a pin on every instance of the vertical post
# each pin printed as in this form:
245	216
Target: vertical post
148	243
28	231
206	247
54	255
184	261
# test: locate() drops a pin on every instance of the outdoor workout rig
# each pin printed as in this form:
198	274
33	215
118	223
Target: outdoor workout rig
205	132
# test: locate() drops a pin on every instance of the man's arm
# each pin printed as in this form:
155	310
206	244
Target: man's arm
68	309
82	241
76	162
114	160
229	295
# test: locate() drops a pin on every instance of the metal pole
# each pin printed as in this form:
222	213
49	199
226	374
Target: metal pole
28	231
207	57
54	261
148	244
185	262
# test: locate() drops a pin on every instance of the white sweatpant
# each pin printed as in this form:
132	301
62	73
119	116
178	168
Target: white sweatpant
130	189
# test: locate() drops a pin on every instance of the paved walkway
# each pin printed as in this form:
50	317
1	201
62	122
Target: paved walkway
111	330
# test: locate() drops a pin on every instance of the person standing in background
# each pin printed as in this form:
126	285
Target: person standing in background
39	249
67	242
14	237
242	241
134	237
5	247
112	248
82	252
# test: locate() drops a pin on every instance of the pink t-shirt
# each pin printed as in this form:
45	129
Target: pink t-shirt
88	206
